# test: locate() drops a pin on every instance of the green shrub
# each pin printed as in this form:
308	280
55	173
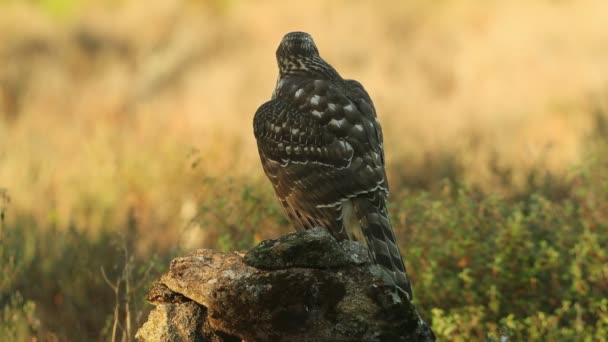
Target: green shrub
18	319
532	268
52	284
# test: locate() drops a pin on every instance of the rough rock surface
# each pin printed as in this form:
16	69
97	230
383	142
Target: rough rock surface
305	286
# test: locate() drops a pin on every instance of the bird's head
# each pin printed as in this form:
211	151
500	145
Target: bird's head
298	53
297	44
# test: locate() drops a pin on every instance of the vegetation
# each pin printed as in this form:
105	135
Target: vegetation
125	139
530	269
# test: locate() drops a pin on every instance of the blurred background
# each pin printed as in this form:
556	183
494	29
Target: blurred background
126	139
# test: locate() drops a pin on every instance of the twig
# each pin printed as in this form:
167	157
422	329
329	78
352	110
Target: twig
116	289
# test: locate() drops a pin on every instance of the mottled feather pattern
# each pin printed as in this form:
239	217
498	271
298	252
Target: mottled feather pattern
320	144
289	137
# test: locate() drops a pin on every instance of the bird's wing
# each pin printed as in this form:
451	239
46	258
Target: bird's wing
320	149
300	157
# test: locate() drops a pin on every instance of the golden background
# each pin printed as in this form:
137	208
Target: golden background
145	107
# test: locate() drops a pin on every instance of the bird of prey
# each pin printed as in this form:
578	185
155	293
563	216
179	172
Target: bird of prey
320	143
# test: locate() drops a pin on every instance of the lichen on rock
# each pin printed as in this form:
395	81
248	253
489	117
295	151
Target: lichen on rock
304	286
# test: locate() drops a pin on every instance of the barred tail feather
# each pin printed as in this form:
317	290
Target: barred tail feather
381	241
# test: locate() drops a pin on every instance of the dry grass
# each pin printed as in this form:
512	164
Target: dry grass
107	109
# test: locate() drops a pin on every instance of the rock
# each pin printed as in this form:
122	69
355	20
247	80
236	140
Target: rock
305	286
311	249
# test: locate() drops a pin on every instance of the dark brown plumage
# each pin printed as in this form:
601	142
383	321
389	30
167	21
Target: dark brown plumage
321	147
